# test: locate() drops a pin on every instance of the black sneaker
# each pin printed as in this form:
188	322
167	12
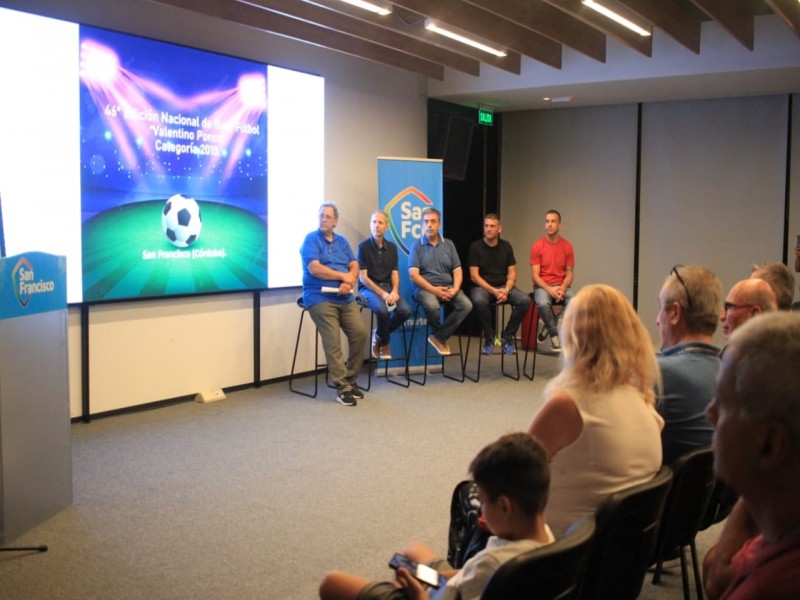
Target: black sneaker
542	334
346	398
357	392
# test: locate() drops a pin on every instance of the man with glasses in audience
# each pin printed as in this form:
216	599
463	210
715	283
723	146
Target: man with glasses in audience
747	298
689	302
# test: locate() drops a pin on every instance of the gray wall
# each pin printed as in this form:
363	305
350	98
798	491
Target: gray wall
713	184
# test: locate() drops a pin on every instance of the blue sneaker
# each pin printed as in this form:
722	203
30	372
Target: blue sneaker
488	348
508	348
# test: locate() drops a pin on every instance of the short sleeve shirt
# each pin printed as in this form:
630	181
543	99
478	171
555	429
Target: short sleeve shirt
378	262
492	261
336	255
553	259
435	263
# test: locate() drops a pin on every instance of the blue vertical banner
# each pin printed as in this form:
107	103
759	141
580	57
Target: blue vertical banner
405	187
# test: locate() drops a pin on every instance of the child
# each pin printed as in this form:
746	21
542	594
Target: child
513	480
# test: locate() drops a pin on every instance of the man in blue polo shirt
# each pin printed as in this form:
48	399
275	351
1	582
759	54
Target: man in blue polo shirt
330	273
435	272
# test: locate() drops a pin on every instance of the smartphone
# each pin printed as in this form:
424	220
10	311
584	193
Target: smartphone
424	573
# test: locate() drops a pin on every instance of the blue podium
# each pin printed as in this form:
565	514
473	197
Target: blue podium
35	438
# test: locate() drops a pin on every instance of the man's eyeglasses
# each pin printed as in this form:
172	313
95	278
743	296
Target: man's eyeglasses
729	306
683	283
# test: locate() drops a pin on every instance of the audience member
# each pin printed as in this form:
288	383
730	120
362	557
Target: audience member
689	306
780	279
746	299
512	478
598	422
756	413
435	272
552	265
493	271
379	284
329	262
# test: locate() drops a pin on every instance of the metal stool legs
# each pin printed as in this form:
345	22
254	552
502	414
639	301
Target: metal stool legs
317	364
406	381
477	376
459	354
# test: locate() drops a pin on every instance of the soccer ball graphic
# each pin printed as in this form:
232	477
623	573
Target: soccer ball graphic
181	220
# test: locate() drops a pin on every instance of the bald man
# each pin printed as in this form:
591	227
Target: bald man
747	298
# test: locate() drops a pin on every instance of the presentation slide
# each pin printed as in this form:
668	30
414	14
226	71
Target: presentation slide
157	169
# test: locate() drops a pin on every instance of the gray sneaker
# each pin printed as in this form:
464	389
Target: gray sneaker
555	344
346	398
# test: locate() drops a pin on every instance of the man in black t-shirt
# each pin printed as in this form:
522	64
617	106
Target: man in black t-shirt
493	271
379	284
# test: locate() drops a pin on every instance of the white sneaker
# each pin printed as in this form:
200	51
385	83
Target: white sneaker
555	344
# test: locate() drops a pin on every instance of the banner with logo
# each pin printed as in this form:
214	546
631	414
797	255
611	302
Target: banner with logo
32	283
405	187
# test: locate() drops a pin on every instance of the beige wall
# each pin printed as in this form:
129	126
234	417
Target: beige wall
712	188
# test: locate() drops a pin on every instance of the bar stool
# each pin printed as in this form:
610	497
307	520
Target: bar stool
530	332
417	308
406	382
317	365
502	309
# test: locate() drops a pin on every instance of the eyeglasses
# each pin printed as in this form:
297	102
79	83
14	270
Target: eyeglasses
683	283
729	306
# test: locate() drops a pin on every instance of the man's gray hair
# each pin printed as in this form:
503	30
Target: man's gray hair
780	279
699	292
330	205
766	351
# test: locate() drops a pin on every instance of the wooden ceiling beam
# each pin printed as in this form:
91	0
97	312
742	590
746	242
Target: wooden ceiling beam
272	22
370	31
614	30
732	17
671	18
789	11
488	26
550	22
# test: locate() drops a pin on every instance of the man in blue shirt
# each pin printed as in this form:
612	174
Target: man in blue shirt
690	303
435	272
330	273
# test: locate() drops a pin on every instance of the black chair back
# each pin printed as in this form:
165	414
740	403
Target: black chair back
627	527
552	572
692	484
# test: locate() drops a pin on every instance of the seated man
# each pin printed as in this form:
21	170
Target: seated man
747	298
493	270
552	264
756	413
328	262
780	279
689	306
513	479
379	283
435	272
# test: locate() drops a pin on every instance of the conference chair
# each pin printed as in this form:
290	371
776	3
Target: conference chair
431	353
692	484
552	572
627	526
500	319
374	362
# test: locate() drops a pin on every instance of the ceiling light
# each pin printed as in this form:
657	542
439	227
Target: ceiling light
380	10
431	26
615	17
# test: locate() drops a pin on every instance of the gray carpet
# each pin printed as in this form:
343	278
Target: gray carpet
260	494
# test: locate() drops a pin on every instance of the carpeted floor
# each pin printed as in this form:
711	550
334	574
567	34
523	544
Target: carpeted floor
260	494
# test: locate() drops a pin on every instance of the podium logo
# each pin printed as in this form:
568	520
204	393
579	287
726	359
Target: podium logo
405	216
23	280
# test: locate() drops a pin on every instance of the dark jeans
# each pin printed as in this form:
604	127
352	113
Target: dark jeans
481	300
386	321
455	311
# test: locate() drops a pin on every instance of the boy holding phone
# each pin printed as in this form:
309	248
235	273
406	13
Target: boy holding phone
513	480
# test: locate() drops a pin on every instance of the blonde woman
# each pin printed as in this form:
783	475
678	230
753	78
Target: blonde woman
598	422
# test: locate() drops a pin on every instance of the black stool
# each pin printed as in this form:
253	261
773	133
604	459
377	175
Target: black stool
406	382
317	365
492	306
458	354
530	332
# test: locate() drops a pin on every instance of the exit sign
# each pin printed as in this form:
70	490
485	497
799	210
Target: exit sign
485	116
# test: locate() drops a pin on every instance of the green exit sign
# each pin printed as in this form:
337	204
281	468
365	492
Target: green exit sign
485	116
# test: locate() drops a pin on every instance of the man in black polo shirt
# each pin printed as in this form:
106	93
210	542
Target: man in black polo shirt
493	271
379	283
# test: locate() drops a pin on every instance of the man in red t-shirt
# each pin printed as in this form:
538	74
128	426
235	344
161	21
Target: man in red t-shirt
756	414
552	264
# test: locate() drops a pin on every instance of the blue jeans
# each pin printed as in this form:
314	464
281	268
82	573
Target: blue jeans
455	311
545	303
386	321
331	318
481	301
